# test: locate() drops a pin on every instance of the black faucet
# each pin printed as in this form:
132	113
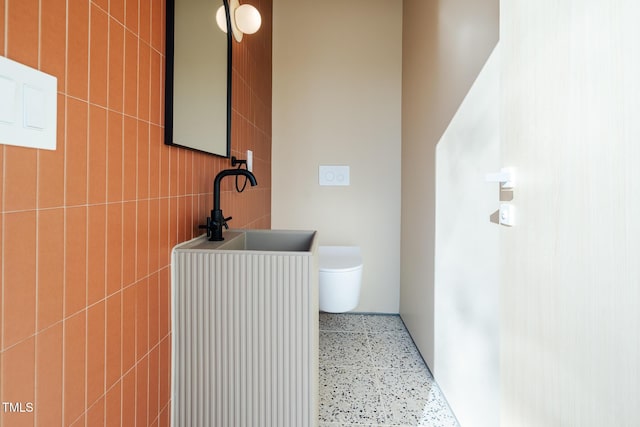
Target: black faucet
217	220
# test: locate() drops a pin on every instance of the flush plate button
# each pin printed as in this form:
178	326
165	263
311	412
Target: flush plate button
332	175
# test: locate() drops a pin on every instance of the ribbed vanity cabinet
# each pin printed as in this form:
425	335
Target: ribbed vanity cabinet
245	330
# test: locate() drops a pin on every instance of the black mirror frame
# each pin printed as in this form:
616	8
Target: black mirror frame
168	86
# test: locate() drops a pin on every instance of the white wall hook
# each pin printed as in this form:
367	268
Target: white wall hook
506	178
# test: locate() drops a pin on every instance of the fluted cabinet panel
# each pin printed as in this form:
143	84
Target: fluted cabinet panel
245	340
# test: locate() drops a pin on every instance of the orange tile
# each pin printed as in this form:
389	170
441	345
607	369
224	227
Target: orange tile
143	159
19	297
145	20
80	421
155	135
22	32
156	88
50	266
154	309
144	77
163	234
189	172
183	171
2	6
53	16
20	178
154	383
114	157
18	383
130	153
114	248
96	414
174	171
165	173
74	366
2	148
154	238
175	222
142	382
157	25
128	243
97	168
116	9
103	4
142	240
163	420
49	376
142	318
1	256
75	289
203	209
164	290
77	49
96	251
129	399
76	152
188	218
128	328
113	340
113	407
116	64
95	352
131	15
98	48
130	73
165	371
51	166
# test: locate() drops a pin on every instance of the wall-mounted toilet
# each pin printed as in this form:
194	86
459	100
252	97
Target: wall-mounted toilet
340	278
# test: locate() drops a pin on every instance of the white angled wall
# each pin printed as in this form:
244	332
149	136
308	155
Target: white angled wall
467	261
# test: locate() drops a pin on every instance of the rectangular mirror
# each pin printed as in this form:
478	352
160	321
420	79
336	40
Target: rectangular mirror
198	78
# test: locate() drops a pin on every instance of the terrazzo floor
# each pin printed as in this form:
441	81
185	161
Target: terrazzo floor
371	374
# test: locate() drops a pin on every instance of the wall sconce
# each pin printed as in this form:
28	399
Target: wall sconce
245	19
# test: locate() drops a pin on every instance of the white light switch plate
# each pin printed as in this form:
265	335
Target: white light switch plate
333	175
28	106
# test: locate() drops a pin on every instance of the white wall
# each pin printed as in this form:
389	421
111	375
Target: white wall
445	44
337	100
570	294
467	255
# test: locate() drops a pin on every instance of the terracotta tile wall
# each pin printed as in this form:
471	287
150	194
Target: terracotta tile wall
87	229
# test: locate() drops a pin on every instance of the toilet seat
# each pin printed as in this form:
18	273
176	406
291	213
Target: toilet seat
339	259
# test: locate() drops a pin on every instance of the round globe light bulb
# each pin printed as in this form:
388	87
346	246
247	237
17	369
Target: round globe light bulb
248	19
221	18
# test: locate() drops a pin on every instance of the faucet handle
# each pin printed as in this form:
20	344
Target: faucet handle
208	226
224	222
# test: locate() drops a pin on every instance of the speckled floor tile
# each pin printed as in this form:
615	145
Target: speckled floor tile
393	350
350	396
384	323
376	377
413	399
344	349
346	425
342	322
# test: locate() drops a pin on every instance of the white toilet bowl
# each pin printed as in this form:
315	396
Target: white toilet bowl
340	278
